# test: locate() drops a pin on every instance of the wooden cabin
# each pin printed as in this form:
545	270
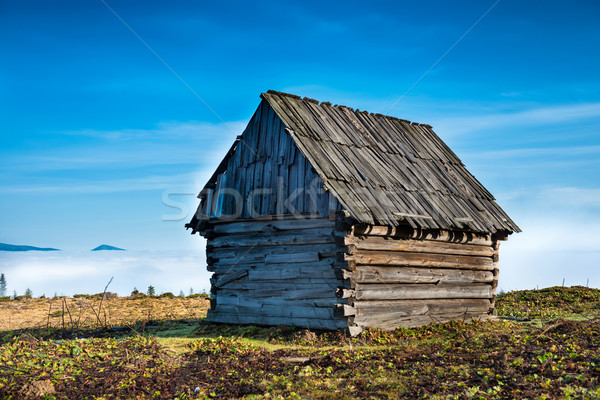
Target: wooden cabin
325	217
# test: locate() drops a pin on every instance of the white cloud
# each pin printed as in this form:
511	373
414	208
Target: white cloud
578	203
74	272
188	183
174	155
172	143
574	197
171	130
538	116
559	239
548	251
545	152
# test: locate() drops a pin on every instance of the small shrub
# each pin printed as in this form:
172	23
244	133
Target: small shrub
106	296
199	295
167	295
5	298
82	296
137	295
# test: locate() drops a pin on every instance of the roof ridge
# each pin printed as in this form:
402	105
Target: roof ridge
328	104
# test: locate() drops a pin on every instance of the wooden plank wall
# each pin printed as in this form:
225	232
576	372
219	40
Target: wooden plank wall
275	272
270	174
411	281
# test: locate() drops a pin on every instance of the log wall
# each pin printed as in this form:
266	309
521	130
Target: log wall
405	277
276	272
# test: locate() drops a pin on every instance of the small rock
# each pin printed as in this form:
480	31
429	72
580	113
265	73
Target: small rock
37	389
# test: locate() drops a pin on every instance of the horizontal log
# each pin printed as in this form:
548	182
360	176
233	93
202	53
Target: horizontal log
375	291
293	258
248	300
234	252
368	257
282	285
292	311
250	264
410	233
301	282
404	308
309	323
288	294
391	322
295	273
258	259
293	237
419	246
272	226
393	274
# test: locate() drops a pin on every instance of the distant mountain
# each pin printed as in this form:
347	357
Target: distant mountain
14	247
107	247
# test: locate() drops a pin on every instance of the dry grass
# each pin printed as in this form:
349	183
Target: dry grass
69	312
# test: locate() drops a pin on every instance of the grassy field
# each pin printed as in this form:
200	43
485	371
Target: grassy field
91	311
162	348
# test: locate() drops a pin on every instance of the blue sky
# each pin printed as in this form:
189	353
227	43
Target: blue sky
98	134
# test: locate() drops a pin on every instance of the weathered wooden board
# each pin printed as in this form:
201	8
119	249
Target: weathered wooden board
391	321
273	226
259	264
418	246
288	310
230	252
239	299
292	237
420	307
369	257
281	285
376	291
288	294
308	257
377	274
287	272
276	258
309	323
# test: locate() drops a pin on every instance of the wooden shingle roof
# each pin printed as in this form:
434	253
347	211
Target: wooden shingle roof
388	171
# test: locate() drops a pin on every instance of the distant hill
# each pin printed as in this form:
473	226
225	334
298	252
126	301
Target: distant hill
107	247
14	247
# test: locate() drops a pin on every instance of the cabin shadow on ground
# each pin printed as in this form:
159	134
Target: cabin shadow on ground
170	328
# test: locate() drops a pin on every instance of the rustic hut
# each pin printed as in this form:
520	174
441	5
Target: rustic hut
326	217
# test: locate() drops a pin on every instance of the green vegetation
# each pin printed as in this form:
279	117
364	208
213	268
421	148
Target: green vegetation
151	291
551	302
199	296
554	357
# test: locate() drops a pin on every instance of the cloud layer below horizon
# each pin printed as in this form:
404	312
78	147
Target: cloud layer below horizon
74	272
